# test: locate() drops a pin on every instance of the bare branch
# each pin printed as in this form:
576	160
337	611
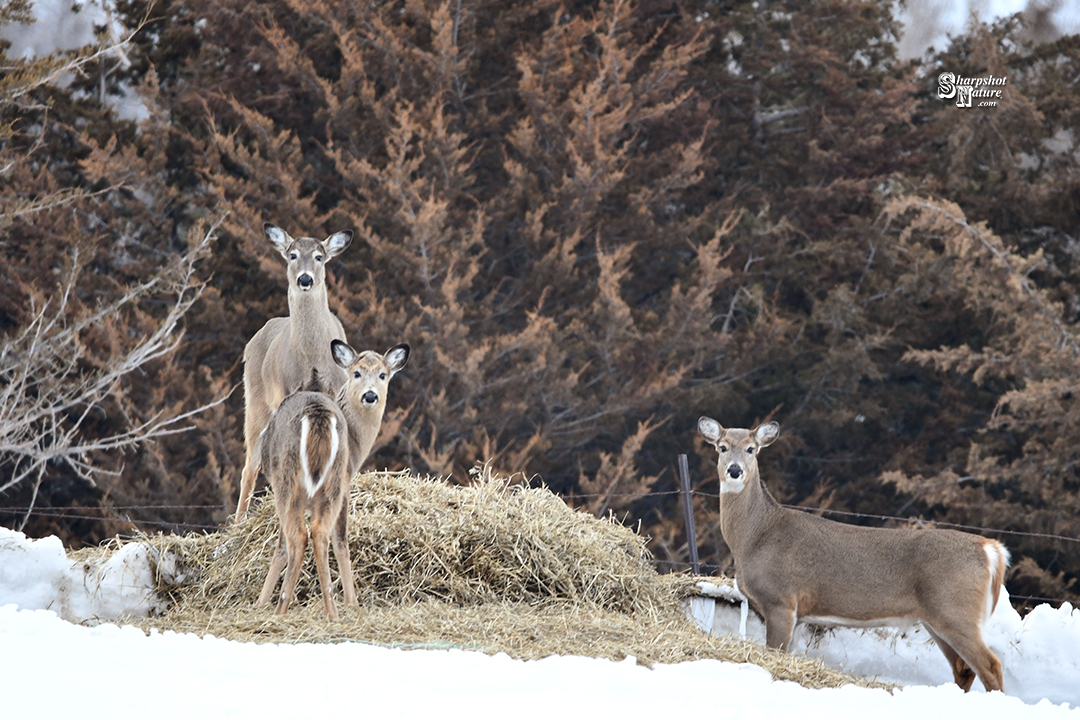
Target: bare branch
49	393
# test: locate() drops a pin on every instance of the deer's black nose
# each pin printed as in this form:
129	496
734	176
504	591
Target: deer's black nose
370	398
734	472
305	281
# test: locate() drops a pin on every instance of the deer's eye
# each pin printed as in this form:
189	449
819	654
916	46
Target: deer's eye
318	258
750	450
356	374
723	448
382	376
292	256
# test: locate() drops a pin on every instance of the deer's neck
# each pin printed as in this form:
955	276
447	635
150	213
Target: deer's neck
746	515
311	324
364	424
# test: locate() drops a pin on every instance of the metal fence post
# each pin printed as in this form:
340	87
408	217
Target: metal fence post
688	514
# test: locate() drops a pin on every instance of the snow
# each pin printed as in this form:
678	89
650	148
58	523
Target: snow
173	676
58	26
63	25
37	575
107	671
1040	653
953	18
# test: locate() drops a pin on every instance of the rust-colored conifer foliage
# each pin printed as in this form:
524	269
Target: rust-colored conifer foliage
502	215
593	222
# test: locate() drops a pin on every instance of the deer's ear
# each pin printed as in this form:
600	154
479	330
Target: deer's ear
278	238
765	434
396	357
709	429
343	354
336	243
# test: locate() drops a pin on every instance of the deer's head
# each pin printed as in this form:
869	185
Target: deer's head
369	373
306	257
738	450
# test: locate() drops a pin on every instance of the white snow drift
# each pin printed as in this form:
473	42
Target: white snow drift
37	575
125	669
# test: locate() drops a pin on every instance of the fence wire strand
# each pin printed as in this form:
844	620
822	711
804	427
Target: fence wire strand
66	513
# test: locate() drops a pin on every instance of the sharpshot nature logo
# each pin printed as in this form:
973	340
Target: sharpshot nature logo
967	90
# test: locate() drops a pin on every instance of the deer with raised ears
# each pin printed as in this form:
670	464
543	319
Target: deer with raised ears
310	449
363	396
305	453
795	567
279	357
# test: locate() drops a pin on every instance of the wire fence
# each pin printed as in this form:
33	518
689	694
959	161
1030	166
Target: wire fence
121	513
826	511
72	513
109	513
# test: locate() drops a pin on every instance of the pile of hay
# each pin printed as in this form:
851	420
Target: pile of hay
493	567
416	539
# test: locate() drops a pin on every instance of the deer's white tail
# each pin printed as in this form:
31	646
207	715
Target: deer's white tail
305	451
998	561
319	444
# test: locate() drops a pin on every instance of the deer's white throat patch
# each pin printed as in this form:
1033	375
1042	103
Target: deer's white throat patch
729	485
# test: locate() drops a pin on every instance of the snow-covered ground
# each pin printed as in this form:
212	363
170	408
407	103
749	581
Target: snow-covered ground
50	667
1040	653
37	575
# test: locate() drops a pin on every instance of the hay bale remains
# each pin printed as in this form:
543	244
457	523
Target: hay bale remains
493	567
522	631
416	538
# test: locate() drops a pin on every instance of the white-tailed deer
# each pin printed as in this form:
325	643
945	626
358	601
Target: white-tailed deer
794	567
363	396
305	453
310	449
279	358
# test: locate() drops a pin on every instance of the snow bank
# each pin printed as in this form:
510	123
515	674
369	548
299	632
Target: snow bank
1040	653
37	575
181	676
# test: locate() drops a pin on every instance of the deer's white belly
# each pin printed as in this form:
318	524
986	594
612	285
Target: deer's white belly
832	621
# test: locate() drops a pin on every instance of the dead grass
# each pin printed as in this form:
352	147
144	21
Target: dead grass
492	567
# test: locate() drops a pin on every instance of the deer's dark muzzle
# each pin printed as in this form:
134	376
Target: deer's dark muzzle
369	398
305	281
734	472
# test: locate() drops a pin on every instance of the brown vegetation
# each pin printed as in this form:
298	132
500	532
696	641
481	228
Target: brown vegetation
593	222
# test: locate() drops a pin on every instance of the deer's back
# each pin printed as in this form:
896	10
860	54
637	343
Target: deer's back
280	444
859	572
280	356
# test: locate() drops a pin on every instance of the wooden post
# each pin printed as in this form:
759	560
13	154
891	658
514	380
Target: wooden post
688	514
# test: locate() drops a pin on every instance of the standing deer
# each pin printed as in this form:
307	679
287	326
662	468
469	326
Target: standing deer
798	567
305	453
280	356
310	449
363	396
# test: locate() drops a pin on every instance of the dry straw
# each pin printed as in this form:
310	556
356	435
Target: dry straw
494	567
